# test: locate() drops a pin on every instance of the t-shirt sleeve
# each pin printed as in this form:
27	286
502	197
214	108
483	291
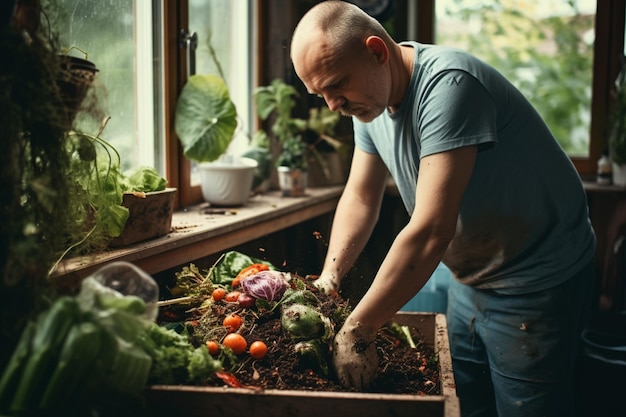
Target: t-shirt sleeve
455	111
362	138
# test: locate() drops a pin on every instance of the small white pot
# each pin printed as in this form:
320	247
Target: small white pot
228	181
619	174
292	182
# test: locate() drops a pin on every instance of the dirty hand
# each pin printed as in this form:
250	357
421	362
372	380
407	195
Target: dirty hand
327	283
354	355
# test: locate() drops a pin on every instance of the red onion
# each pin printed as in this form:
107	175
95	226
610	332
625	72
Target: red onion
245	300
266	285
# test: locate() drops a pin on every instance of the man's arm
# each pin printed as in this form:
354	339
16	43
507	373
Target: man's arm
421	244
355	217
413	257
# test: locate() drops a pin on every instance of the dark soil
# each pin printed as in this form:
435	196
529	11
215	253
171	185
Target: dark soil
402	369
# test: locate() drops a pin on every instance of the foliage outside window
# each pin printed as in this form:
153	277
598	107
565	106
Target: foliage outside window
545	48
108	32
223	31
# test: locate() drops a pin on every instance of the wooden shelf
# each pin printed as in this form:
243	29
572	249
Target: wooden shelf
594	187
199	231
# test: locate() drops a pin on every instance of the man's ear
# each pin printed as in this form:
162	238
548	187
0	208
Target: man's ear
378	48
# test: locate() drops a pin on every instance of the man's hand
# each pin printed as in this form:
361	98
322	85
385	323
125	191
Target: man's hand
354	355
327	283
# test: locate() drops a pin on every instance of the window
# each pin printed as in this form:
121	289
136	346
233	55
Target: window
139	50
222	28
117	37
592	42
544	48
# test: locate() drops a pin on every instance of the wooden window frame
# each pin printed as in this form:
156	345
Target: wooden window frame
607	60
608	56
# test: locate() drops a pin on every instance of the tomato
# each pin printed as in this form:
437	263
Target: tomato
235	342
232	322
218	294
232	296
258	349
247	271
213	347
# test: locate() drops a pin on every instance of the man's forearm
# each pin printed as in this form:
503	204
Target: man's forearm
353	224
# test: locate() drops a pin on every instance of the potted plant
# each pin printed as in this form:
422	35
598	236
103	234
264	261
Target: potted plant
329	152
115	208
309	149
278	98
205	122
46	166
617	134
113	202
259	150
74	80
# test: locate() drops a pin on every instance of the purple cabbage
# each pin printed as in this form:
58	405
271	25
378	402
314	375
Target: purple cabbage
266	285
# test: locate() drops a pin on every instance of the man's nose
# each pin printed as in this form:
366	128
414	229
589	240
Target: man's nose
334	102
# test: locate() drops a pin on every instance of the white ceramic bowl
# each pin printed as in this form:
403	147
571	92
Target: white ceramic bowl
228	181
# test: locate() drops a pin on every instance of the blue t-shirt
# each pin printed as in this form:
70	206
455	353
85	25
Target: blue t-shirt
523	225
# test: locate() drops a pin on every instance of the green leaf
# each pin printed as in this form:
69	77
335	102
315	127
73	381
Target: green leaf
146	179
205	118
113	219
265	101
231	264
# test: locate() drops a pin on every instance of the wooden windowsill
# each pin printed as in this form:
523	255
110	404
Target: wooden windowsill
199	231
594	187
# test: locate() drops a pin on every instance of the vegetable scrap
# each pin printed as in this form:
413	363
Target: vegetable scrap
272	329
118	336
102	343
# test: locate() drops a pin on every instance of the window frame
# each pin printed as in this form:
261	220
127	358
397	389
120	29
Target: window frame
608	56
608	53
177	166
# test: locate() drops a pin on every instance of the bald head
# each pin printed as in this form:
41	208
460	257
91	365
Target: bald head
341	53
337	25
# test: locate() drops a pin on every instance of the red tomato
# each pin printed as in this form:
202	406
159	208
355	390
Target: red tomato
232	296
235	342
258	349
232	322
218	294
213	347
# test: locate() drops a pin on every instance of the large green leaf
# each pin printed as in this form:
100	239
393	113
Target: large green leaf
206	118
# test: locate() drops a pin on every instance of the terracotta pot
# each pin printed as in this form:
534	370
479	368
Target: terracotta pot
150	216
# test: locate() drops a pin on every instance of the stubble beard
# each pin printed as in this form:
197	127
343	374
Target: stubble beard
363	114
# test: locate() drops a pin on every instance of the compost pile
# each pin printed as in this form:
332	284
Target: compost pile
209	306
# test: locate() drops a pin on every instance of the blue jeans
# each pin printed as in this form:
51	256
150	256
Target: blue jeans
515	355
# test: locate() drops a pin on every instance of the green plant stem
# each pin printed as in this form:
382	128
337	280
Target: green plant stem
72	246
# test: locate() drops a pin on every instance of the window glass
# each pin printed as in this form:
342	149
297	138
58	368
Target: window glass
223	28
544	47
116	35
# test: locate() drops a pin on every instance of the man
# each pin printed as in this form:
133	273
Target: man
496	200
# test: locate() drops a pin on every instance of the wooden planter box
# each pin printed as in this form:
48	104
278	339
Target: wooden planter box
167	400
150	216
